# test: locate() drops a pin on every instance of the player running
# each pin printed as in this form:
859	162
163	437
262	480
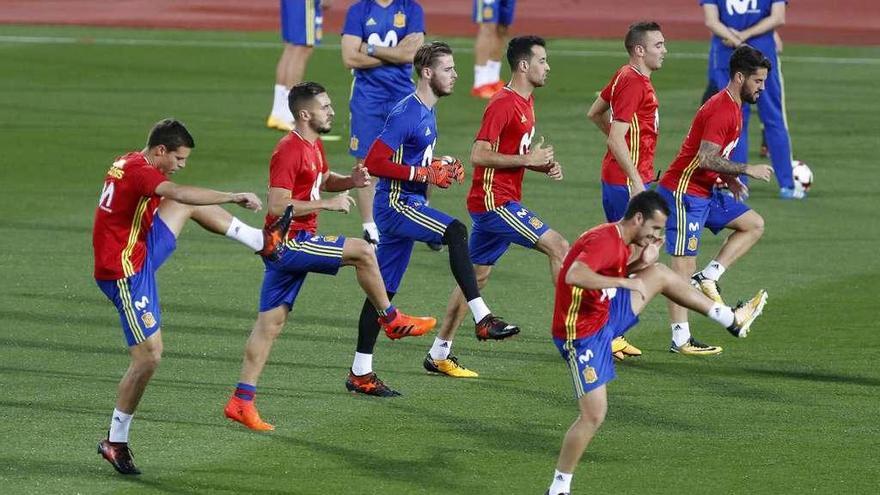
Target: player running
140	214
403	156
298	171
691	188
608	277
501	154
379	41
626	111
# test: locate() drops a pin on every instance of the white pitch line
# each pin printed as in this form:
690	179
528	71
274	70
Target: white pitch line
71	40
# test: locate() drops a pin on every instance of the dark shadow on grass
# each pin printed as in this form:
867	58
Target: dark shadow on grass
425	473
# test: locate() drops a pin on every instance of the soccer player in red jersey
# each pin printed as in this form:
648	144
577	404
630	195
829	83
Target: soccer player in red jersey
501	153
139	216
691	187
298	172
608	277
627	112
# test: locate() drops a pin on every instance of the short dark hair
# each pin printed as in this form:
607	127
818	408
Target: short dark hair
428	53
747	60
646	203
301	94
171	133
636	34
520	48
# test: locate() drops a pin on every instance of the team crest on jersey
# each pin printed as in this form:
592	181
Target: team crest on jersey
536	222
353	144
331	238
590	375
399	20
692	243
148	319
488	12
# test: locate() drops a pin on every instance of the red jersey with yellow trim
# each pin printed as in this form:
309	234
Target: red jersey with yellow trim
633	101
509	124
124	216
298	166
718	121
579	313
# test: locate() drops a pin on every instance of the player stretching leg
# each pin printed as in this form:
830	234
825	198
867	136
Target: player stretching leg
627	112
403	156
140	214
297	173
690	188
379	41
610	275
501	154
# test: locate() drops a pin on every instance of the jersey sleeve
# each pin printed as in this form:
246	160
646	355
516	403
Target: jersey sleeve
416	21
495	118
598	254
282	169
606	91
625	99
146	180
396	129
353	21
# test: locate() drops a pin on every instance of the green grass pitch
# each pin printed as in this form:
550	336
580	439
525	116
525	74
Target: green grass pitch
791	409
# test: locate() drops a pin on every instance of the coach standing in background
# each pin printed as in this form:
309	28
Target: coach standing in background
732	23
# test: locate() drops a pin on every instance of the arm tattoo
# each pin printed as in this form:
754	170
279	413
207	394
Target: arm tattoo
710	158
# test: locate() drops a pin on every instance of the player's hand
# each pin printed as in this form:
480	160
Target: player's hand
436	173
761	172
454	168
636	187
650	254
555	170
247	200
360	176
341	202
539	155
740	191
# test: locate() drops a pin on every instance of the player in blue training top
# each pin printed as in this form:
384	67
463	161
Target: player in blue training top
734	22
403	157
379	40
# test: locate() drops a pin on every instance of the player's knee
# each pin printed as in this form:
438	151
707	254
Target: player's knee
148	361
592	419
758	225
455	234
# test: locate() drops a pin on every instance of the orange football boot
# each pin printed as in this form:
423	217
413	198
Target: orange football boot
407	326
487	91
245	412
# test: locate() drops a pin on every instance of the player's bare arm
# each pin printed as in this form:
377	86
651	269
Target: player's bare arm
643	257
598	114
192	195
279	198
333	182
538	155
709	156
774	20
403	53
617	145
353	58
581	275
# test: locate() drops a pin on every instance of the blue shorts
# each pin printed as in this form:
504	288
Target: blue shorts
304	254
494	11
301	22
401	224
367	121
137	297
689	214
493	231
589	359
615	199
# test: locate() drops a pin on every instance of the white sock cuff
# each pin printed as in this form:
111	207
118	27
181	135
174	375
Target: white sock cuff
478	309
